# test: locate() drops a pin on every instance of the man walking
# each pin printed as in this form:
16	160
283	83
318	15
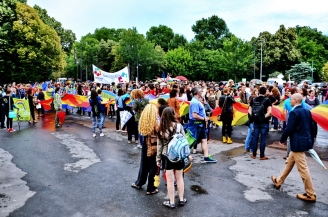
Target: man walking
260	111
300	129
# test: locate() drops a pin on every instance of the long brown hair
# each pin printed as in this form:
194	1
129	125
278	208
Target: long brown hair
168	118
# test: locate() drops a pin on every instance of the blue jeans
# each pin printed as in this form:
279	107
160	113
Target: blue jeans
248	141
260	129
102	118
96	122
275	123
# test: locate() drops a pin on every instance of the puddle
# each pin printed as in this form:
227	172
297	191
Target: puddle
198	189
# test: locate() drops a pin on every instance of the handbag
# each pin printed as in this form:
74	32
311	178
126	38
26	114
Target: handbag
151	142
219	116
12	113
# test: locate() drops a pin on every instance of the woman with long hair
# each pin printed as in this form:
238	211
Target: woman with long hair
274	97
174	171
312	100
95	112
30	96
148	128
225	102
8	103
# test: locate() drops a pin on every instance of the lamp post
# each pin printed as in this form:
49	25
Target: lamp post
137	64
262	40
312	71
254	45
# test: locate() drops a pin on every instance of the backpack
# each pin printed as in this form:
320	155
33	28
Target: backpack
178	148
258	113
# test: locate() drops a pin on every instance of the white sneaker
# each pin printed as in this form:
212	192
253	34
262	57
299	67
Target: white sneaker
118	131
101	134
94	135
273	130
139	146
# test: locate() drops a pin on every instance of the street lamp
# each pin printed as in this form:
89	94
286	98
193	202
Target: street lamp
262	41
137	65
254	45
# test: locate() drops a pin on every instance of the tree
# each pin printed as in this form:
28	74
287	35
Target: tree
37	53
7	18
161	35
300	72
179	62
313	46
106	34
279	50
176	41
325	72
211	31
67	36
236	58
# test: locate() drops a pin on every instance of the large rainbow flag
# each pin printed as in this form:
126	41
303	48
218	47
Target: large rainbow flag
320	115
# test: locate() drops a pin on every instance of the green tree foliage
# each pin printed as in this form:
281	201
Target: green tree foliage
67	37
179	62
161	35
106	34
324	76
37	52
7	18
211	31
274	74
300	72
176	41
236	58
279	50
313	46
134	49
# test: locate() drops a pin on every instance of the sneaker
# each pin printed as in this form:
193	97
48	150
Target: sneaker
124	131
11	130
94	135
129	142
209	159
8	130
194	151
273	130
101	134
306	197
139	146
118	131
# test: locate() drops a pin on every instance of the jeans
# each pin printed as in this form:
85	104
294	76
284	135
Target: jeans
249	137
102	118
141	138
260	129
96	122
275	123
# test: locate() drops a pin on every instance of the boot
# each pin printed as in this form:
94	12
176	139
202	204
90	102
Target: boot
224	139
229	141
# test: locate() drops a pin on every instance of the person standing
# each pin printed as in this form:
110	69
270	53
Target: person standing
40	98
301	131
197	123
169	126
260	111
57	105
174	103
96	117
30	96
2	110
226	102
9	105
312	100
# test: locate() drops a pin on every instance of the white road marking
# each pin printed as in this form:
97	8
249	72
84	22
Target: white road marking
77	149
13	190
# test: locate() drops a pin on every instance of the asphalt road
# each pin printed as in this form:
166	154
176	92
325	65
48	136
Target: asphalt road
65	172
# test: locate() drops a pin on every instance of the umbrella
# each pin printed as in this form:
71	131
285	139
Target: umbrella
315	156
256	82
125	117
157	179
61	116
182	78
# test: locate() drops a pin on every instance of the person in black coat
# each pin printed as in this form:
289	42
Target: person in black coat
226	102
2	111
301	130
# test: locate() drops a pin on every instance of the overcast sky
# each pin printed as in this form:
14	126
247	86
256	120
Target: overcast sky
245	18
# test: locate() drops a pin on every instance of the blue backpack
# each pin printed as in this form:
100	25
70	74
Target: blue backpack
178	147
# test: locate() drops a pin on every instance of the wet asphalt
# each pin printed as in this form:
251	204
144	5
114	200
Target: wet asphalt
103	189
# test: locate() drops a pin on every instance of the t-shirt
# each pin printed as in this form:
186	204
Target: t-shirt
266	105
289	107
196	106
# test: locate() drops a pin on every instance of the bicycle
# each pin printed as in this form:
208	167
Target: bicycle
18	118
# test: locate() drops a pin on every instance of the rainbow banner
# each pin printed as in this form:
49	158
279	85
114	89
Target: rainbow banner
24	109
278	111
320	115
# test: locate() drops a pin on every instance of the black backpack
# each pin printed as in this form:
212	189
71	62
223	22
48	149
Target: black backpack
95	108
258	113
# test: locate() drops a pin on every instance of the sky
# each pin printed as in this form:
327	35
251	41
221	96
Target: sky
244	18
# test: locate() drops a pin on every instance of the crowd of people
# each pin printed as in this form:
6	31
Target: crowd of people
152	126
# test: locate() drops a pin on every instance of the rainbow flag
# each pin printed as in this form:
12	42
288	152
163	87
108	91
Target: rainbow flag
240	115
278	111
108	94
320	115
128	102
